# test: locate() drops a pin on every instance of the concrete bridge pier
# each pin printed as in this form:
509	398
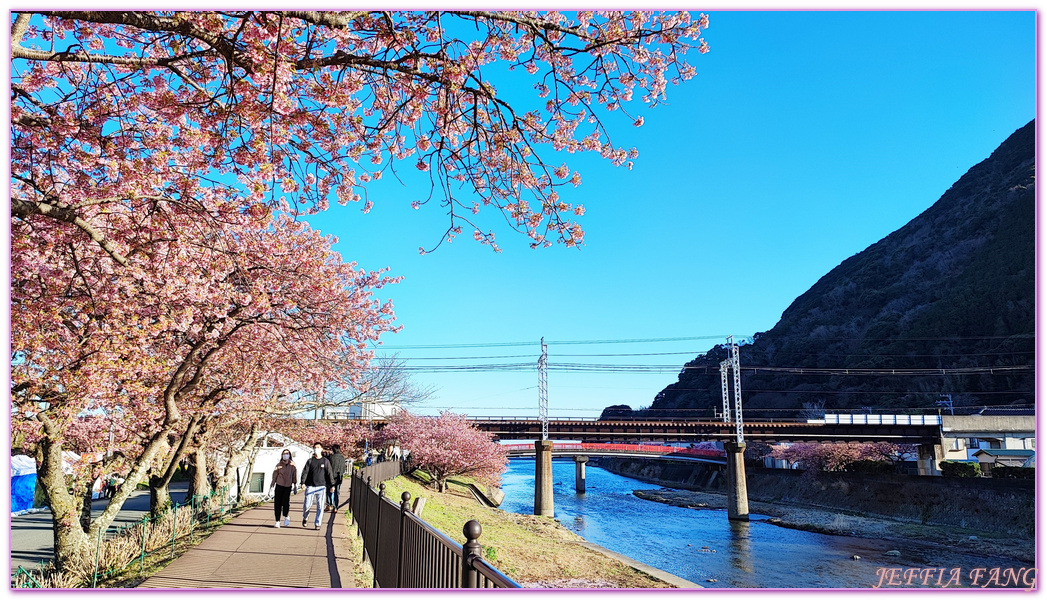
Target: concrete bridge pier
579	473
543	478
737	493
929	455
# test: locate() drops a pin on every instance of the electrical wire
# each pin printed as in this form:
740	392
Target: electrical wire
856	392
612	368
535	356
560	342
692	338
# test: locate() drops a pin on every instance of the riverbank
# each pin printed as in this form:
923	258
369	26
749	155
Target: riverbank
835	522
536	552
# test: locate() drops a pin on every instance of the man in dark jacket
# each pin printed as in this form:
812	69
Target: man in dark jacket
338	469
318	479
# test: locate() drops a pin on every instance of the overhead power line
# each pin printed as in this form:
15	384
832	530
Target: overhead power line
612	368
537	343
535	356
955	371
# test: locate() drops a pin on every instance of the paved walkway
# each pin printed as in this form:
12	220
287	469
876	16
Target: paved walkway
248	552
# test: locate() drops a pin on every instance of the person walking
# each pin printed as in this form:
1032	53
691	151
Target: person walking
285	477
318	480
338	471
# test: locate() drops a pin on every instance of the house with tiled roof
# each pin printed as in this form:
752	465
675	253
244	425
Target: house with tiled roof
987	459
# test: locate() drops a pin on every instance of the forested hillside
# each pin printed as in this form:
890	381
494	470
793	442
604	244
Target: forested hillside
952	289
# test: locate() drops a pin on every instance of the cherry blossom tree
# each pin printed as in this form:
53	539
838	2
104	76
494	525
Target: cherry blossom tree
160	160
815	457
447	446
349	435
190	109
213	322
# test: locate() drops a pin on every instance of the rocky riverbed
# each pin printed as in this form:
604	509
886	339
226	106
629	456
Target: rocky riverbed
834	522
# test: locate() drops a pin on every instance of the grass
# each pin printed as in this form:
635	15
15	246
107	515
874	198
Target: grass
363	575
534	551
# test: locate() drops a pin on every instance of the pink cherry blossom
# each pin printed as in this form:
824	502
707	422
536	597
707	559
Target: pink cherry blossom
447	446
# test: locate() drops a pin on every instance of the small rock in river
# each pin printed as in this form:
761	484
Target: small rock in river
973	537
856	557
711	580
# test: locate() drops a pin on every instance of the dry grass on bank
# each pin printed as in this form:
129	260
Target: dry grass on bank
534	551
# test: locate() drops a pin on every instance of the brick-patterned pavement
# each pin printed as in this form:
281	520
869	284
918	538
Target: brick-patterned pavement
248	552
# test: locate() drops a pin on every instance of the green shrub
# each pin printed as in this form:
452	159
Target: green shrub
955	468
1013	472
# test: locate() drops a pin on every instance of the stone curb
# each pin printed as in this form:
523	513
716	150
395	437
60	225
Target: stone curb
639	566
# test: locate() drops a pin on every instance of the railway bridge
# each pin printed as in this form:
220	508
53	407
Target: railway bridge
924	431
582	451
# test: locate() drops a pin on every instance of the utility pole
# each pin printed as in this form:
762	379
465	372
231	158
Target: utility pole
543	390
732	363
946	403
736	365
543	448
737	494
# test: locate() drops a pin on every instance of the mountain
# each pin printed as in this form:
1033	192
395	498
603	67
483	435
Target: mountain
952	289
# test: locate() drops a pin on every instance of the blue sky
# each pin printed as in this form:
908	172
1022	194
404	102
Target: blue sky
805	137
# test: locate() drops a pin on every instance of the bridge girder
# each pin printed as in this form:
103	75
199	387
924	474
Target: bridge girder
693	431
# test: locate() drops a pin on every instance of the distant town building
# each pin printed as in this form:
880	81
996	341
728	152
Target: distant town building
364	410
987	459
964	436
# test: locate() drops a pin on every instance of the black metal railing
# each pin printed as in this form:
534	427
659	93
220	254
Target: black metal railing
406	552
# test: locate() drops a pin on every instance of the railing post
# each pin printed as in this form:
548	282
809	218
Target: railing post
98	546
471	550
363	517
404	507
141	563
174	523
378	532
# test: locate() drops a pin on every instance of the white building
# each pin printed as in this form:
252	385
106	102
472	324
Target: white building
963	436
366	411
260	479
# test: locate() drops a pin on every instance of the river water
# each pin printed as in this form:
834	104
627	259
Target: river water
704	547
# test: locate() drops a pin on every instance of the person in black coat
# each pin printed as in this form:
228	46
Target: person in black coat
318	479
338	469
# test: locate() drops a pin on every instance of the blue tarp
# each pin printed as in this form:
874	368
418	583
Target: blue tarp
22	488
23	482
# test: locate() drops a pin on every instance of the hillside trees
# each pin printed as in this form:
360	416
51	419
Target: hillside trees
950	297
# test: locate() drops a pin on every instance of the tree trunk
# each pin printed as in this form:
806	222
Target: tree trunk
246	451
70	540
85	509
160	483
159	496
199	485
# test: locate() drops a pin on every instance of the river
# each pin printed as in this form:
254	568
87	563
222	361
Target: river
704	547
